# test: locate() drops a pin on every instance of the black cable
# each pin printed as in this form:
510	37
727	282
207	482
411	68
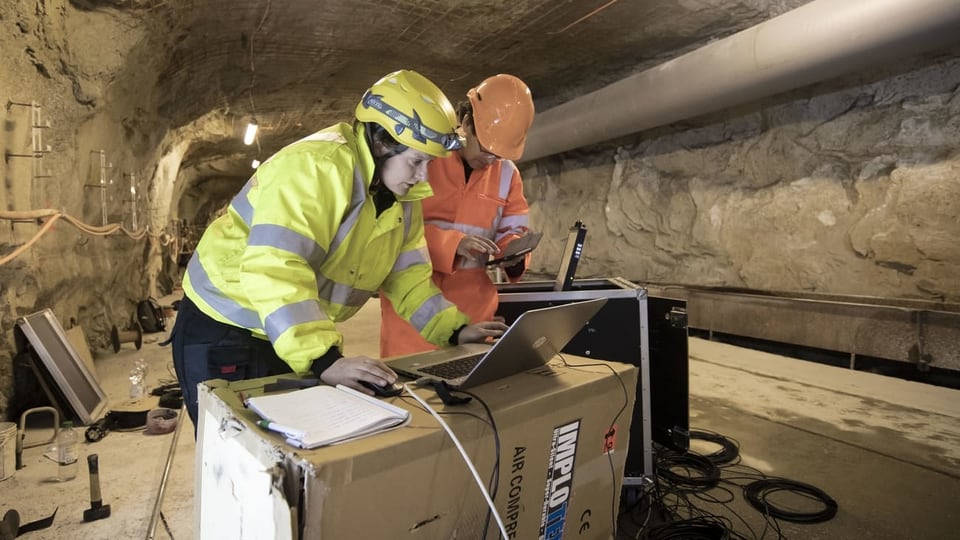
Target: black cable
669	508
690	529
166	525
611	431
708	478
729	449
757	494
412	402
495	475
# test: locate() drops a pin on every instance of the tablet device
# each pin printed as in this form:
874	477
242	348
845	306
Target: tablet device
518	248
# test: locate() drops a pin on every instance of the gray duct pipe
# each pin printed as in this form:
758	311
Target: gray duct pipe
820	40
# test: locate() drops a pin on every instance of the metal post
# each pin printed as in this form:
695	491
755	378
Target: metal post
158	504
37	148
102	184
133	200
103	188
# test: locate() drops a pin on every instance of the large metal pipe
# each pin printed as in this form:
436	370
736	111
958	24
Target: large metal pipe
815	42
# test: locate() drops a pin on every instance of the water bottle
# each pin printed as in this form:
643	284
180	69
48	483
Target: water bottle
68	451
138	376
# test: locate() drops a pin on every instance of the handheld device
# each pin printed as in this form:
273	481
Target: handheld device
518	248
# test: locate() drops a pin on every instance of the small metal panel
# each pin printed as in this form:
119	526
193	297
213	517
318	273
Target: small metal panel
75	386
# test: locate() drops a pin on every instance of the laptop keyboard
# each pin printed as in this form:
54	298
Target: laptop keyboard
453	369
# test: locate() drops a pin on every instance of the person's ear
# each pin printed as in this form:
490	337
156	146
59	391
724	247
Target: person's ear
466	125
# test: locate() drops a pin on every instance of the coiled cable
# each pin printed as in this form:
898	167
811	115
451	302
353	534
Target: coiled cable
691	529
729	450
758	492
709	474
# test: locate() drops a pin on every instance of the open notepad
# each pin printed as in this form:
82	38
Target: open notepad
324	415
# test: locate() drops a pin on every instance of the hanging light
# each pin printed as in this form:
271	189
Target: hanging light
255	164
251	133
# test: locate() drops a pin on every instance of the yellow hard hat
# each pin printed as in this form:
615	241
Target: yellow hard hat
413	110
502	114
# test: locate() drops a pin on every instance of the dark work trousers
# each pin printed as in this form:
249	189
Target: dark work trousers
206	349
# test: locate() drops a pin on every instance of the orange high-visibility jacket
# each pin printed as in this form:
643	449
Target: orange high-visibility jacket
491	204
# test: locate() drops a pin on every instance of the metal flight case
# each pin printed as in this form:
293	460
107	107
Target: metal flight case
634	328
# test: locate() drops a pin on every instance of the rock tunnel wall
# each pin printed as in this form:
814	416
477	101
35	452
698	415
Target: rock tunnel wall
851	192
70	91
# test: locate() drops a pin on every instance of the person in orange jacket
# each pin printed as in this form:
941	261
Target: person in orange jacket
476	210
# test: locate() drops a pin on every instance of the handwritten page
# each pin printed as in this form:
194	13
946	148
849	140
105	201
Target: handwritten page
324	415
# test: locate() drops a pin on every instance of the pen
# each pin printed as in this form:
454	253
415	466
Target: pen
285	431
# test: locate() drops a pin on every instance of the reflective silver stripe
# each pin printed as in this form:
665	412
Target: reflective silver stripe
513	223
506	175
289	315
410	258
353	212
225	306
428	310
466	229
241	204
338	293
283	238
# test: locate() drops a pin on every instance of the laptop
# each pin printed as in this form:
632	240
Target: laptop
531	341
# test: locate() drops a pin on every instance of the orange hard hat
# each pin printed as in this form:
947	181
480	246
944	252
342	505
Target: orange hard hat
502	114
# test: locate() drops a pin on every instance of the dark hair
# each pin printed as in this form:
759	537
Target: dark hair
377	134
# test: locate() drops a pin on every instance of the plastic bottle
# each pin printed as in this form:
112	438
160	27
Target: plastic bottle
68	451
138	376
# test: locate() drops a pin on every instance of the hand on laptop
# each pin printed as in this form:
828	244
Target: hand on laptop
479	332
350	371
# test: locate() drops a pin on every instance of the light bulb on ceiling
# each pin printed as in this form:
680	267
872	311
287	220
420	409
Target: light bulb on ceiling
251	133
255	164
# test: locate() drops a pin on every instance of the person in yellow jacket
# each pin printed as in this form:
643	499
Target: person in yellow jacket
477	209
319	228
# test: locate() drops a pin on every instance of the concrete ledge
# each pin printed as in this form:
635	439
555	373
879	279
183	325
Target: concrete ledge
908	394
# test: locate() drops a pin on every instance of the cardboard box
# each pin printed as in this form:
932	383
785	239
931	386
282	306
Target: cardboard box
560	466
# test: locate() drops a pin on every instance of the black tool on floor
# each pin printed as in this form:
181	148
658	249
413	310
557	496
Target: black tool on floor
100	428
116	421
97	509
10	527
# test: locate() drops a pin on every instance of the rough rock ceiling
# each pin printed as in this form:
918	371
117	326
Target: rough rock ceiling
299	65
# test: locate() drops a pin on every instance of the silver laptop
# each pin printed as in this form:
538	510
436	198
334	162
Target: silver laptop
531	341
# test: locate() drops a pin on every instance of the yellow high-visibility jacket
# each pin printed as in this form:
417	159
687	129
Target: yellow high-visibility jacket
301	247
